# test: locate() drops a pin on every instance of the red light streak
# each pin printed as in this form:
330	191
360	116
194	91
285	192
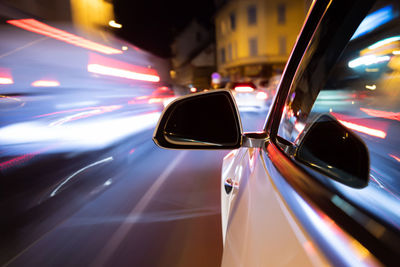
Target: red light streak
368	126
5	76
16	161
382	114
49	31
364	129
111	67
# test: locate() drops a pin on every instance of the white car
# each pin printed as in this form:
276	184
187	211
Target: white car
319	185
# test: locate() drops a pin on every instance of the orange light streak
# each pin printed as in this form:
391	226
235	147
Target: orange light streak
49	31
396	158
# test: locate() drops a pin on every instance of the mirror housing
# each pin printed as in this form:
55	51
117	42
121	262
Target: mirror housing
207	120
334	150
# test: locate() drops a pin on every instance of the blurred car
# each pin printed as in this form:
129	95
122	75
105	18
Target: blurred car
319	185
248	97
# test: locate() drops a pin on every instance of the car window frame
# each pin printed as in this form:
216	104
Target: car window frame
315	191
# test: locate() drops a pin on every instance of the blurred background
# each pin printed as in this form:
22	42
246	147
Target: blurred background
82	85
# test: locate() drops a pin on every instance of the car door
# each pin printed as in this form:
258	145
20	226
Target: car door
286	204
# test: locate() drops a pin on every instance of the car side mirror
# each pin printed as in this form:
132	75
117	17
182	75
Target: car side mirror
201	121
332	149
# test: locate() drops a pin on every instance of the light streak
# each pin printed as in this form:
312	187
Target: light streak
78	172
244	89
367	60
6	80
5	76
364	129
374	20
122	73
85	114
45	83
396	158
384	42
382	114
49	31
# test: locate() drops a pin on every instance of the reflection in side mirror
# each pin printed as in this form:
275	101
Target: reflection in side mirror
331	148
201	121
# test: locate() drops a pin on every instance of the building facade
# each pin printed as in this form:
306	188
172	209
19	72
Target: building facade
193	58
254	37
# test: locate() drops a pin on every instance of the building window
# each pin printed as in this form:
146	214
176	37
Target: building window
229	52
253	49
252	15
222	55
281	13
223	27
232	19
235	53
282	45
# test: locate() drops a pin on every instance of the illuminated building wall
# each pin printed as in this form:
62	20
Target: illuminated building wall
88	13
92	13
255	37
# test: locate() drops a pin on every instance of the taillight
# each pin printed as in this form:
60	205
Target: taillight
244	89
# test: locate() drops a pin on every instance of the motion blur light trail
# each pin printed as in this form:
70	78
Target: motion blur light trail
85	114
111	67
349	122
94	134
382	114
78	172
364	129
101	69
5	76
45	83
44	29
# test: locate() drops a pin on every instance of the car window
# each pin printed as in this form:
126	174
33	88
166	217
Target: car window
361	91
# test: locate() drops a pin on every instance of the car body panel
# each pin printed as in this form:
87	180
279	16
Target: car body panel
261	230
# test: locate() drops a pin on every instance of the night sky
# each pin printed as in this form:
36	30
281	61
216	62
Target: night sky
152	24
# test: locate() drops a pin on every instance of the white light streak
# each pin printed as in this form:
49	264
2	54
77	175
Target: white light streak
78	172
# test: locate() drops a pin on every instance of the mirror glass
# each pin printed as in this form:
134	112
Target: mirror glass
331	148
207	120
